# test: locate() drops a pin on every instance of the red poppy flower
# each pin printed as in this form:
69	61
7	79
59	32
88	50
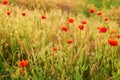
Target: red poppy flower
118	36
23	63
81	27
70	20
69	41
106	18
99	13
43	17
65	29
102	29
91	10
23	14
113	42
54	49
8	13
83	22
4	2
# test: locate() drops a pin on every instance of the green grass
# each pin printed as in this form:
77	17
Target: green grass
31	38
104	4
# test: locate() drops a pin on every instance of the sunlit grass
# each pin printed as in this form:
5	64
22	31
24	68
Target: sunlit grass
81	54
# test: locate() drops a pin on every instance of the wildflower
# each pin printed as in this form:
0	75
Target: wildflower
102	29
70	20
54	49
23	14
4	2
43	17
8	13
23	63
106	18
65	29
112	31
81	27
99	13
91	10
112	42
118	36
69	41
83	22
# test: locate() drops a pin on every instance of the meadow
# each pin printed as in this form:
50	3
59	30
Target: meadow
59	40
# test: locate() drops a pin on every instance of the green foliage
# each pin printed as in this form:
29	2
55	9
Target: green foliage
97	3
104	3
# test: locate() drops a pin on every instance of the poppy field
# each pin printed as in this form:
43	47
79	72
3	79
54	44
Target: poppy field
64	43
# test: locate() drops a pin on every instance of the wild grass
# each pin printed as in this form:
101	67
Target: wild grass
31	38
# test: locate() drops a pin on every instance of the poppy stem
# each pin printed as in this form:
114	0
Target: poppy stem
113	68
